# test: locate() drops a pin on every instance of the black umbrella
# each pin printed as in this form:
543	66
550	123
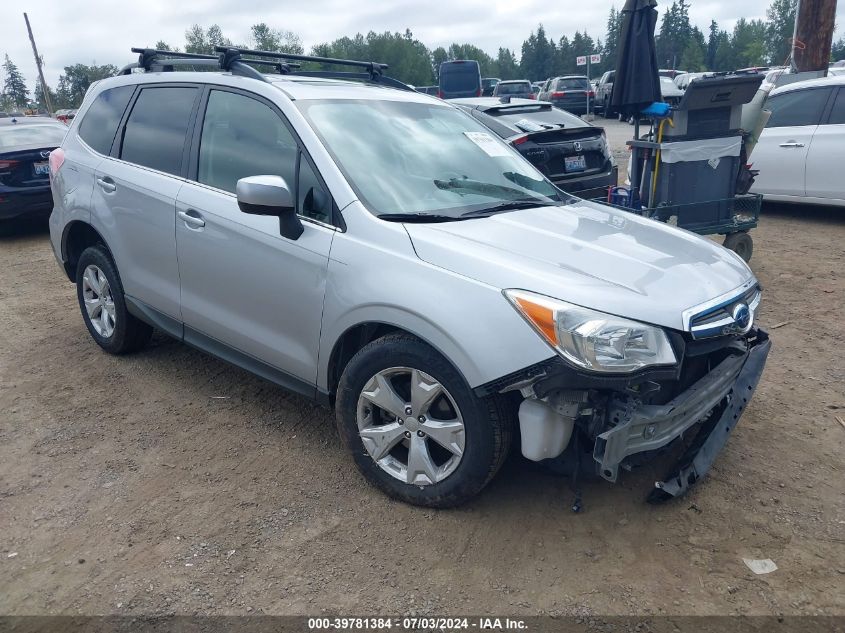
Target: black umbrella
637	82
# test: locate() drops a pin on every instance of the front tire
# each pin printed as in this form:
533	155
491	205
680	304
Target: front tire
103	306
414	427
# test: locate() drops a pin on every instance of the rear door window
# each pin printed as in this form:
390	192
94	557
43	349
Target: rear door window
156	130
797	107
99	125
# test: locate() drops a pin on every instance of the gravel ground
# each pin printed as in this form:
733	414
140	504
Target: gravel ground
170	482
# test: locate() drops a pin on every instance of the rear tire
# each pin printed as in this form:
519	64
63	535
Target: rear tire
101	300
389	367
741	244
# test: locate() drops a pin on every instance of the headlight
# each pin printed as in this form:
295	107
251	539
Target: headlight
593	340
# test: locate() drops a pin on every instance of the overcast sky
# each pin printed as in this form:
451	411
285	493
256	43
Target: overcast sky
103	31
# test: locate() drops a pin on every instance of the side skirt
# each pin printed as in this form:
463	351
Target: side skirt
212	346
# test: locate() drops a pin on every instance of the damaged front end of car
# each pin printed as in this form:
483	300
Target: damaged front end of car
626	419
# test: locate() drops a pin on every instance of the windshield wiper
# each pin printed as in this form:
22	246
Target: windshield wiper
476	186
507	205
417	217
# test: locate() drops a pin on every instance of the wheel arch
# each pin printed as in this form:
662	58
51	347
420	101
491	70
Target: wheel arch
76	237
357	336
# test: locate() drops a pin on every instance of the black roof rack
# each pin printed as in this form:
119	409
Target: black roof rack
374	70
240	61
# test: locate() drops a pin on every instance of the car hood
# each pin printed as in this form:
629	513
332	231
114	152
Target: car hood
587	254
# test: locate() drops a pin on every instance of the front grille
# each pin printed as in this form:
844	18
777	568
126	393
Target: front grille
719	319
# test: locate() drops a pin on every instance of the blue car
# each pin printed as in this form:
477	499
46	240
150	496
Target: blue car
25	147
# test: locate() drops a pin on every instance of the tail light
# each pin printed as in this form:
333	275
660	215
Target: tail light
57	159
591	93
439	94
556	95
479	92
6	165
519	140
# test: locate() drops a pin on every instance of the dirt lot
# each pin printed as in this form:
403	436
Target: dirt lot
171	482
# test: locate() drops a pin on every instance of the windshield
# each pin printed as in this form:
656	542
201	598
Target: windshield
419	158
36	135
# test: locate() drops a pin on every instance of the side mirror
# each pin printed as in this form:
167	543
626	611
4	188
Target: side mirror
270	195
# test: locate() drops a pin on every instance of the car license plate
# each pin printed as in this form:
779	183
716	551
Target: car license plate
41	169
575	163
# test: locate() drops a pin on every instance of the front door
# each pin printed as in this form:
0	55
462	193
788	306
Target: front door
781	154
245	286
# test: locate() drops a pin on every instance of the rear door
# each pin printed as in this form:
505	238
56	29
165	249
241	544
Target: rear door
826	156
243	284
781	153
134	197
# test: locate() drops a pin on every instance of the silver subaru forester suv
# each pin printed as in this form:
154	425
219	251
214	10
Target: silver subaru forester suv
380	251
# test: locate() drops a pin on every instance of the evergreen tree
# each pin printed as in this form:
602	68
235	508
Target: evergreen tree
506	66
837	52
611	40
712	45
15	92
781	28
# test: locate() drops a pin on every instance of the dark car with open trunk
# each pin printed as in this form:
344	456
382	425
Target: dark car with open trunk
570	152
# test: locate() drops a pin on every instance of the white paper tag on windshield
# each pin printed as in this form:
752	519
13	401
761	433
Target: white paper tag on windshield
487	143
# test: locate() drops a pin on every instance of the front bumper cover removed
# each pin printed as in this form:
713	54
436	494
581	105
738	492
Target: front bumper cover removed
724	393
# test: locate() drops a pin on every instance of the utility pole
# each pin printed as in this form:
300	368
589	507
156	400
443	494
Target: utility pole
44	89
814	26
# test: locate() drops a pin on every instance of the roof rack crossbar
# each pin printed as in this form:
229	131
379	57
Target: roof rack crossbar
148	56
232	59
375	69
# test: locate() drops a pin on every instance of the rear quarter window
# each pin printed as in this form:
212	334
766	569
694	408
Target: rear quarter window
99	125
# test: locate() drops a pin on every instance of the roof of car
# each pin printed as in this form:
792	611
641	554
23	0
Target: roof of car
515	81
295	87
838	80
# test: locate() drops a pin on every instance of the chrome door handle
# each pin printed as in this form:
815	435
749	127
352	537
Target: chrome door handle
792	144
194	221
106	184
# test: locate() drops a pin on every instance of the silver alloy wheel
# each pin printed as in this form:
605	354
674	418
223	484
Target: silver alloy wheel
96	293
401	432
